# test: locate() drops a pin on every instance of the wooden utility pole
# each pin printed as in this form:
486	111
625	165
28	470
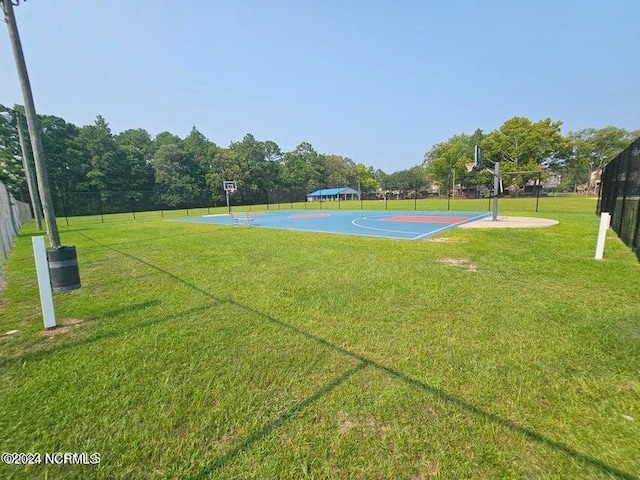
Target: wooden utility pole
31	182
32	123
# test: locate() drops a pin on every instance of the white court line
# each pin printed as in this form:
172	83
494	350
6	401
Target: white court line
352	234
353	222
451	226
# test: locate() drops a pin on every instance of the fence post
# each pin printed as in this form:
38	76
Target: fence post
538	187
636	236
63	196
605	221
100	207
44	282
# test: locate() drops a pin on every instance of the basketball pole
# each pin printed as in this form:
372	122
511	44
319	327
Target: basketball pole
228	203
496	188
478	163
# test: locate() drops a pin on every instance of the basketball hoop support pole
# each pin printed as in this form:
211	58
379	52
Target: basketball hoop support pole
228	203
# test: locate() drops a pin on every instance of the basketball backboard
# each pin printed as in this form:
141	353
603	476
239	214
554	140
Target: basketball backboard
229	186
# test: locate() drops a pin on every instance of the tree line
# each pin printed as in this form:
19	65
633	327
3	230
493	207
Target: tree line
173	172
522	146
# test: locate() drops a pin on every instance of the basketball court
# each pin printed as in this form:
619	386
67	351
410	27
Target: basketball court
386	224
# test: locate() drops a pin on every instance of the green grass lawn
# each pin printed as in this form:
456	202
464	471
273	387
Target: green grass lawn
202	351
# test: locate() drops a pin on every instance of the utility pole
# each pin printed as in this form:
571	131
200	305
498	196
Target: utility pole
31	183
32	123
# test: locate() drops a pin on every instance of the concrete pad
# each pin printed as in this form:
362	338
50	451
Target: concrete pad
511	222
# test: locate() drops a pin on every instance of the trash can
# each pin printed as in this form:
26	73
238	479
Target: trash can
63	268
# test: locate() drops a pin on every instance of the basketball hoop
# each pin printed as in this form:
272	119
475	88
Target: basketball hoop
470	166
229	187
478	157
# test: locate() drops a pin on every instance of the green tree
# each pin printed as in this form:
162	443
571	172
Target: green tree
165	138
266	173
199	153
106	172
383	180
366	178
303	168
525	145
448	159
590	150
66	157
339	171
11	171
259	167
135	150
227	165
407	180
174	182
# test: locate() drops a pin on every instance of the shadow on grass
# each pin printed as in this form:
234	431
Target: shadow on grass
36	355
366	362
278	422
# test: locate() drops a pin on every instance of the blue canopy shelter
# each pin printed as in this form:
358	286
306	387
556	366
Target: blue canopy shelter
332	194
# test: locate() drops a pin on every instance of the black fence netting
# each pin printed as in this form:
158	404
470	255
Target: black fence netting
13	214
620	195
101	203
72	204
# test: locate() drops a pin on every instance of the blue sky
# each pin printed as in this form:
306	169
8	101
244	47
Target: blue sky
377	81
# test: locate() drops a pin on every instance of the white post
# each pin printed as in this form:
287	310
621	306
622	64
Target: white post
605	221
44	282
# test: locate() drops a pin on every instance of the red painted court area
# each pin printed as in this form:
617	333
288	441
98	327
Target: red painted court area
425	219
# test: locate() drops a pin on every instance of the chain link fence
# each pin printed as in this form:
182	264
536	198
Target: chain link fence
74	204
13	214
131	203
620	195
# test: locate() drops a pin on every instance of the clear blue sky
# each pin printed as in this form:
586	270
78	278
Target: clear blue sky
377	81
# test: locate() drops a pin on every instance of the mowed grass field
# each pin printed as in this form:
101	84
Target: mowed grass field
203	351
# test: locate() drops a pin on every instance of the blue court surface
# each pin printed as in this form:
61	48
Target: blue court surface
401	225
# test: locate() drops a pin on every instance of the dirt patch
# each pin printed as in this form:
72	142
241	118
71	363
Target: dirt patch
443	240
346	423
66	326
430	470
457	262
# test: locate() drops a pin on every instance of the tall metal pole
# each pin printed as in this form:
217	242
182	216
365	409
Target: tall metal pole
32	122
31	183
496	189
453	184
449	196
538	187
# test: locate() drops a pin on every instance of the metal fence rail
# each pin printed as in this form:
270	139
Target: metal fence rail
620	195
13	214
